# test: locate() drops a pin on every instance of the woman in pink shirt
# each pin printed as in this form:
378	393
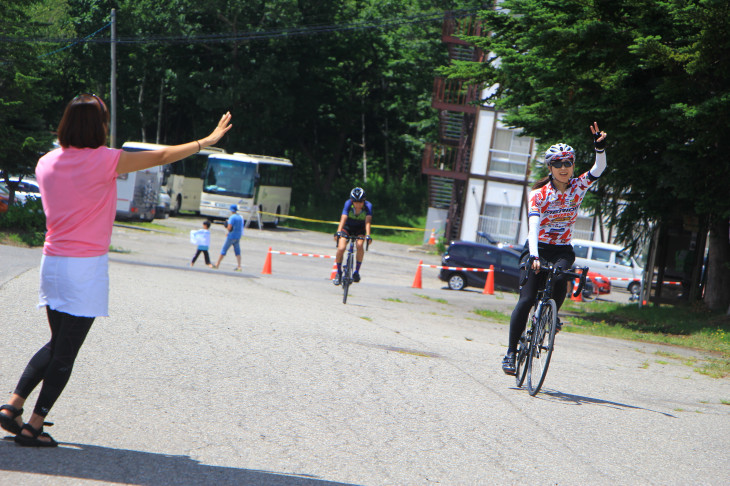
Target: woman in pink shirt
79	194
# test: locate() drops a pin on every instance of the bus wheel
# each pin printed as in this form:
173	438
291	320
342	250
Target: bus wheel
178	204
275	223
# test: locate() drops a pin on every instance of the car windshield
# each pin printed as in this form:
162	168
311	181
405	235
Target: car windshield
623	259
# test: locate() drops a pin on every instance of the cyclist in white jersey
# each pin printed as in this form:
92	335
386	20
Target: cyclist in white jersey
553	210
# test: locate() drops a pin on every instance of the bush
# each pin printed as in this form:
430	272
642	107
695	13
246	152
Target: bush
28	221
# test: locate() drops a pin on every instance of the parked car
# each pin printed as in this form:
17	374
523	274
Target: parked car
596	285
27	187
611	260
4	198
467	254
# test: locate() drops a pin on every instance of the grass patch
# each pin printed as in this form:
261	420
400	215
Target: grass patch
369	319
690	327
404	237
725	402
433	299
114	249
149	225
500	317
391	299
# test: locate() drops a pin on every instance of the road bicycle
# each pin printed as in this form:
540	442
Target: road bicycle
349	264
538	341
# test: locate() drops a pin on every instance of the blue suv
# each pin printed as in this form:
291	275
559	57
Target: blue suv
506	263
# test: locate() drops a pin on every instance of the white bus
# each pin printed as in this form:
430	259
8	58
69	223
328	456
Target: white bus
253	182
183	180
137	191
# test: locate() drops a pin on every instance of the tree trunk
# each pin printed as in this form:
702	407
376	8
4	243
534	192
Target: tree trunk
159	108
717	292
140	101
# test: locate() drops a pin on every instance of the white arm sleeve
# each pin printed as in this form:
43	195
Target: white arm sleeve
533	228
599	166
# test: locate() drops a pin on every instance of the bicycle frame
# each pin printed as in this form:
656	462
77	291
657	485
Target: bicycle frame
347	267
537	343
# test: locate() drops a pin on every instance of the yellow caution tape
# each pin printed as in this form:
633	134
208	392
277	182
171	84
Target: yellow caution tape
287	216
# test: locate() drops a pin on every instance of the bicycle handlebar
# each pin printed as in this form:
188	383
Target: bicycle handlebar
342	234
557	271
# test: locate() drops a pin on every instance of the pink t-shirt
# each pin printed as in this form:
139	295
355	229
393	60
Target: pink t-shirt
79	194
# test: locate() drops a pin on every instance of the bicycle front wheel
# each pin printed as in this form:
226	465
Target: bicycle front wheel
543	340
523	352
346	278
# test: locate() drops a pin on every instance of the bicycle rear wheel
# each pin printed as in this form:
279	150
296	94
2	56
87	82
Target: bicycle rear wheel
346	277
543	340
523	352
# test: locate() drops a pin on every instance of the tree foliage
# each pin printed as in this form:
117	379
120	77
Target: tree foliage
654	74
299	79
24	88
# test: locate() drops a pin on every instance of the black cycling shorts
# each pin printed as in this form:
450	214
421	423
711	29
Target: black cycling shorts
354	227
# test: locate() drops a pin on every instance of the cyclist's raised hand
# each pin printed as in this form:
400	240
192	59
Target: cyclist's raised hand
599	137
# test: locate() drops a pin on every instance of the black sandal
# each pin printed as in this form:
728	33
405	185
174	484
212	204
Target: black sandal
8	422
34	440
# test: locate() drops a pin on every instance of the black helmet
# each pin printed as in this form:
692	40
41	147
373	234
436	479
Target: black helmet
357	194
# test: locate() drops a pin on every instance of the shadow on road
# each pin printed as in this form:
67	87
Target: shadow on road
579	400
124	466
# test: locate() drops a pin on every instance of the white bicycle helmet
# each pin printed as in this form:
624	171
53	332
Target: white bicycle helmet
559	151
357	194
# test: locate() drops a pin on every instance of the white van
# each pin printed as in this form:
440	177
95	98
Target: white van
611	261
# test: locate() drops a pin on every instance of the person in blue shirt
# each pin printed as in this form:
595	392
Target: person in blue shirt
235	231
357	215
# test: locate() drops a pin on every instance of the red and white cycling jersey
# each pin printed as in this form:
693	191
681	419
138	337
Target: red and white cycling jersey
558	211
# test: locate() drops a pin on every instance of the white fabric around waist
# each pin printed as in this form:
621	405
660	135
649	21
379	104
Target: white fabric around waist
76	286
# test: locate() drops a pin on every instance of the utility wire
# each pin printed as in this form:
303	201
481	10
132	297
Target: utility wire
250	35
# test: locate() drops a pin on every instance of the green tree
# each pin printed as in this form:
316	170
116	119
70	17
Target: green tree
24	87
654	74
306	79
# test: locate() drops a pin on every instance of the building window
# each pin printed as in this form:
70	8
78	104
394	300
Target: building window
499	224
583	228
510	153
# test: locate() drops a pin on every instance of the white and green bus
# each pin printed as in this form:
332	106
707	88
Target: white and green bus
256	183
181	180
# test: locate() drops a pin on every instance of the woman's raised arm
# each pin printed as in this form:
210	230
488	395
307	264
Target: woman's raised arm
133	161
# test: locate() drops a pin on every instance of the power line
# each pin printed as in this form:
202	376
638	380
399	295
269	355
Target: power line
250	35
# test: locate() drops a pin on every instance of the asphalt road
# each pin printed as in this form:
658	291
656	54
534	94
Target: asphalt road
204	376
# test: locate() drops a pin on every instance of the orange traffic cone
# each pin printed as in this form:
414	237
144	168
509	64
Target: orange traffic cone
417	280
489	284
579	297
267	263
334	271
432	239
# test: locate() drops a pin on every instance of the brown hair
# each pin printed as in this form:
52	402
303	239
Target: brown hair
542	182
84	123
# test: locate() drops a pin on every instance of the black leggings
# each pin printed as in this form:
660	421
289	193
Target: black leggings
560	256
52	364
205	255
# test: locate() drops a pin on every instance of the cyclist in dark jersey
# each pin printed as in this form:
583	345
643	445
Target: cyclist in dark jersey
357	215
553	210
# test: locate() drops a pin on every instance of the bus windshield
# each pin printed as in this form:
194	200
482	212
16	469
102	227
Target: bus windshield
230	178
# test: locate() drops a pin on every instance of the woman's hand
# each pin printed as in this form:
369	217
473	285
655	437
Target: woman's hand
224	124
599	137
536	265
